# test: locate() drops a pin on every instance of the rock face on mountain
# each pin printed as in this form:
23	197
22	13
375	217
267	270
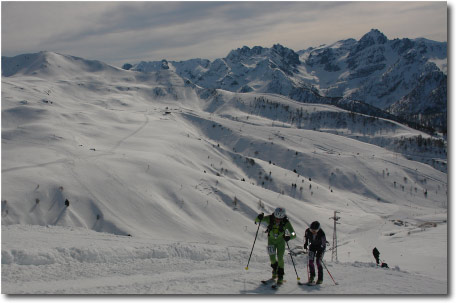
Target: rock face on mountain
427	102
404	77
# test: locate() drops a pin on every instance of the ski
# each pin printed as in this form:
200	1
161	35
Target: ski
277	285
308	283
267	281
311	284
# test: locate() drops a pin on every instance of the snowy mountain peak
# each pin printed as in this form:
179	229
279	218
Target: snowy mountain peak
50	64
245	51
373	37
25	63
287	54
276	53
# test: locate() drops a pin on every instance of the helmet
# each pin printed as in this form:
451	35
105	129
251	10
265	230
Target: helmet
315	225
279	213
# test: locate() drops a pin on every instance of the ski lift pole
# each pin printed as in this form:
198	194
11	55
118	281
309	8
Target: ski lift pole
329	273
256	235
297	277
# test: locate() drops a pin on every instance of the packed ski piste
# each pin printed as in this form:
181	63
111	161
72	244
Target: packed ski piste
110	264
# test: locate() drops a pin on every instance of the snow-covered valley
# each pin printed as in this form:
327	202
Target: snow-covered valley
164	179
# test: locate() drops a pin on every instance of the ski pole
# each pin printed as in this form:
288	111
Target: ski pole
329	272
293	262
308	276
247	267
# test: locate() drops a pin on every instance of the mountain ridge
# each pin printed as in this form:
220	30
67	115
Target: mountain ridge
373	70
48	63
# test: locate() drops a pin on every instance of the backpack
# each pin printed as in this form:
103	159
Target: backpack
281	224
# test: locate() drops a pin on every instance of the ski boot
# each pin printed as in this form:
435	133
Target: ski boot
280	272
319	281
311	280
274	270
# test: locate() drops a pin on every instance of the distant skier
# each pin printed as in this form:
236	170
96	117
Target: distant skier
279	230
315	241
376	254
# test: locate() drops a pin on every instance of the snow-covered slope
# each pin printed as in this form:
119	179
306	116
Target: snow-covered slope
164	179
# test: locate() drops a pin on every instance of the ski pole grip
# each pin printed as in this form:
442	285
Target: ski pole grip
261	216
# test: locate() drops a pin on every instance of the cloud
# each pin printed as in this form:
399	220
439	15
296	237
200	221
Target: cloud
117	32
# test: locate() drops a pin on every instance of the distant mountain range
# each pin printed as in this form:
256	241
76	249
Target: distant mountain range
401	79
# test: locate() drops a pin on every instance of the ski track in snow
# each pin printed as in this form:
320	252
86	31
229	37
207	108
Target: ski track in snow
36	165
132	134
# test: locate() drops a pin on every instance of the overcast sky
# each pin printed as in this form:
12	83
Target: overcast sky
120	32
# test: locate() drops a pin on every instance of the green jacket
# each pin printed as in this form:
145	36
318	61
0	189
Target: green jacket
276	232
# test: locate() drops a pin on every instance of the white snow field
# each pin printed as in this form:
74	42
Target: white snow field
164	180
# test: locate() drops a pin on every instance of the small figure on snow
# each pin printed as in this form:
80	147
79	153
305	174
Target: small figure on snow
315	241
67	203
279	230
376	254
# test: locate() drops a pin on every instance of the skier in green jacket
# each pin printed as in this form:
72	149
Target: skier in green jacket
279	230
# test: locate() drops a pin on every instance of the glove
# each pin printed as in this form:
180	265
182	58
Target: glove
287	238
260	216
